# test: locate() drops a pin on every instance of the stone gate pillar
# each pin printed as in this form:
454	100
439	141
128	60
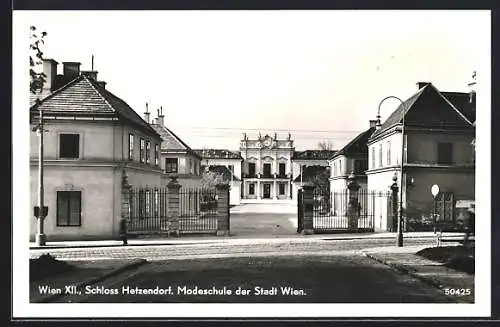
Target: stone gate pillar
308	206
353	206
395	207
125	204
222	209
173	204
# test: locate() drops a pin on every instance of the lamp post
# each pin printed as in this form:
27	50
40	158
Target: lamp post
399	239
40	237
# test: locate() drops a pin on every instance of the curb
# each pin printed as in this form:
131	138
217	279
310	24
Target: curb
223	240
134	264
405	270
58	247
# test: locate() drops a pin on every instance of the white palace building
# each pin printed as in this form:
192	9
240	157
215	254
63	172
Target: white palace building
270	168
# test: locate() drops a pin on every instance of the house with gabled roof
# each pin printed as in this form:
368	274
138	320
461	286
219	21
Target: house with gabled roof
436	129
224	161
177	158
352	158
93	142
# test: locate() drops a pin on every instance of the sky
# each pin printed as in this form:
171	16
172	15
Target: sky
319	75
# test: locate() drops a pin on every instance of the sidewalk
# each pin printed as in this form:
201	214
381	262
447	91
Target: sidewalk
406	261
191	240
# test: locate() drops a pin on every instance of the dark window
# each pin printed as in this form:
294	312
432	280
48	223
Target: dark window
148	152
69	208
281	189
360	166
445	153
157	154
131	147
171	165
282	167
69	146
251	168
267	169
251	189
141	150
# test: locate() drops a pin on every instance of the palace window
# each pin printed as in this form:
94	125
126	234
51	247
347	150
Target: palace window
282	168
251	189
69	146
281	187
251	168
69	205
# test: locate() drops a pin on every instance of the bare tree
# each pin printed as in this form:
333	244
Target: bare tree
326	145
36	56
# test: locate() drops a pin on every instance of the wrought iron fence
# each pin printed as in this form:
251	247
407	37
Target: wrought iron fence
151	212
330	210
198	210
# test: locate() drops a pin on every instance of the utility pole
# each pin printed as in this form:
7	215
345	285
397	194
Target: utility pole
40	236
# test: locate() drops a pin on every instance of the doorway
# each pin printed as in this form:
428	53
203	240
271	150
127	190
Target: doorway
267	191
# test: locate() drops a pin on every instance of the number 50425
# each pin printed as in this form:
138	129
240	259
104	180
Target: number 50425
457	291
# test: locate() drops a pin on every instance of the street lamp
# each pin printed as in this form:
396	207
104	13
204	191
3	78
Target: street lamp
400	215
42	211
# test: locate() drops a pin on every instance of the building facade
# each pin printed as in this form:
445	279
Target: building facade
92	141
437	135
266	168
177	159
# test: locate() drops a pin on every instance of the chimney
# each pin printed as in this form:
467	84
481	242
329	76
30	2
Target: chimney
91	74
102	84
71	69
373	123
422	84
159	120
146	114
50	71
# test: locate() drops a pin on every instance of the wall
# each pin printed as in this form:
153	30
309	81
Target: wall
96	139
419	198
124	143
423	148
395	152
139	176
99	140
100	187
234	193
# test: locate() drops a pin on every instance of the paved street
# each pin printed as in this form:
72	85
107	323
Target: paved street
262	224
338	278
